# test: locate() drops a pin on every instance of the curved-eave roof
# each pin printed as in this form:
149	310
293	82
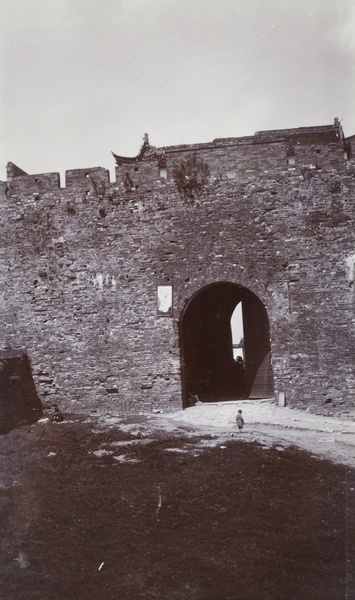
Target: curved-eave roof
132	159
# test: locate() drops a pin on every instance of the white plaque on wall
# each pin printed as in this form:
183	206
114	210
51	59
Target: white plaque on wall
165	300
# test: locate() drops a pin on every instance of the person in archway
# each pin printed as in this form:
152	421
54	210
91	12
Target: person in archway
192	400
240	377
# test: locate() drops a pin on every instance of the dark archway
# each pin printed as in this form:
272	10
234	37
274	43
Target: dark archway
208	367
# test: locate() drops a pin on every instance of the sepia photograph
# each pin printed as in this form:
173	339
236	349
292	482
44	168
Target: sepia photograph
177	300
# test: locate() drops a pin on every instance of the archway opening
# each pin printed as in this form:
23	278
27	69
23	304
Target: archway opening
237	332
210	369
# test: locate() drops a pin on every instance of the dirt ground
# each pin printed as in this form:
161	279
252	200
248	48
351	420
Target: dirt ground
134	508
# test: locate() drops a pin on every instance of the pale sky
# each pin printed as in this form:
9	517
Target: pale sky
80	78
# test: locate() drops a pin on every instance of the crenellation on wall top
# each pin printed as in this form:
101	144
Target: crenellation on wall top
80	177
33	183
94	181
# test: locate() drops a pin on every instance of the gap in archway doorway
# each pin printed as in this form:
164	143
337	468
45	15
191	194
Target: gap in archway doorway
238	331
207	337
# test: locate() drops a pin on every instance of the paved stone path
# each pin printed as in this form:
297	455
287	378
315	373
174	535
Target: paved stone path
329	438
265	412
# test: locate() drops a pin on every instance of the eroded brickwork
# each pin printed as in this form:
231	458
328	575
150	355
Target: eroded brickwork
80	266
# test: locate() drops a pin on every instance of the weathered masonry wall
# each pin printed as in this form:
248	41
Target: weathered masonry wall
80	265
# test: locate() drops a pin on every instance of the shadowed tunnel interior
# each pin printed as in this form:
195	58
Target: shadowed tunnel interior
208	367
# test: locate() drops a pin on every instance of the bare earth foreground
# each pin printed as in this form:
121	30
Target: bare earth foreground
180	506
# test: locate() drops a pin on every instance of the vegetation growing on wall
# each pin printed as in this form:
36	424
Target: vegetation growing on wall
38	227
191	177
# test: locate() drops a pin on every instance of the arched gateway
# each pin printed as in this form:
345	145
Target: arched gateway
96	278
208	368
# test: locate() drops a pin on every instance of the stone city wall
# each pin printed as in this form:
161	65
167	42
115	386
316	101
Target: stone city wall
80	265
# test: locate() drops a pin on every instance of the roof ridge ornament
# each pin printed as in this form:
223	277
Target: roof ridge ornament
338	128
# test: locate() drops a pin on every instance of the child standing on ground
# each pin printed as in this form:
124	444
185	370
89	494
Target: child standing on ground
240	420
